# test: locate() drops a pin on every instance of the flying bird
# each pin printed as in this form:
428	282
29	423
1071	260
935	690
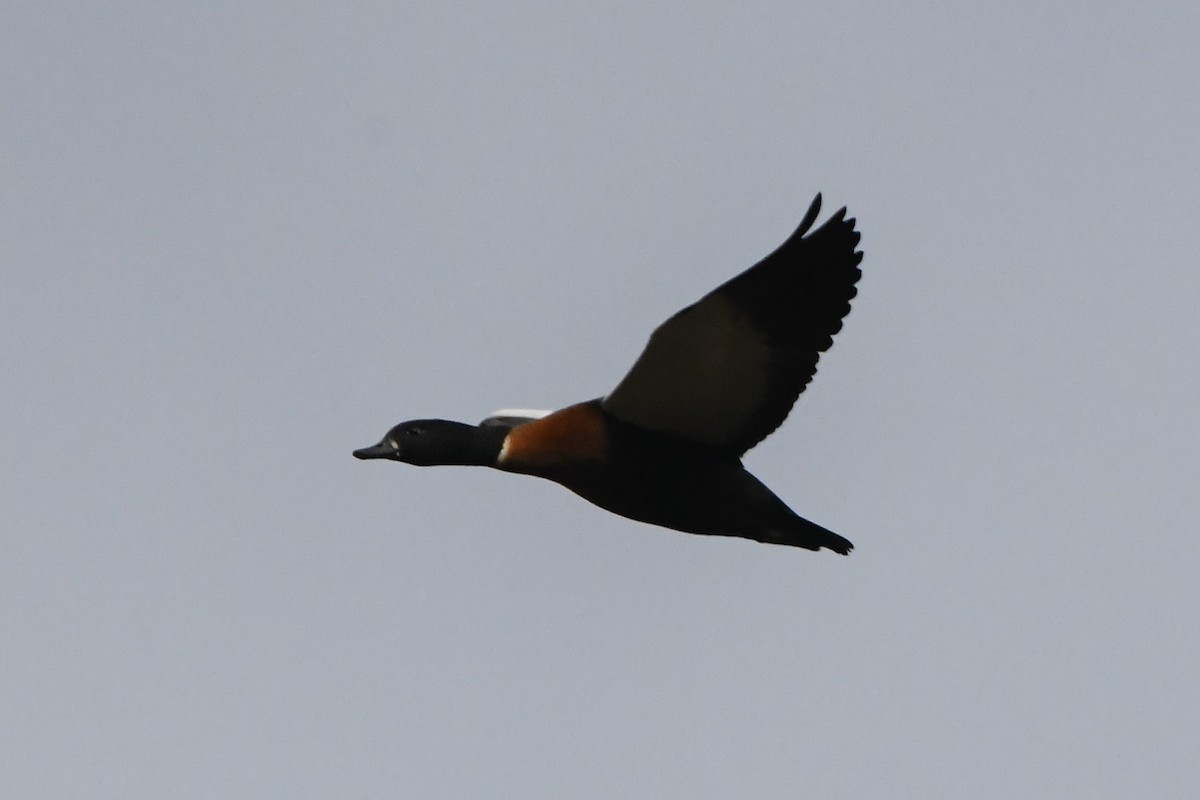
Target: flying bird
666	445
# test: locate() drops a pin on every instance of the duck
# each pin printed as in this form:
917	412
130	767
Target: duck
665	446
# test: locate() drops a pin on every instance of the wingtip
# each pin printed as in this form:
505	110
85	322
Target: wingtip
810	216
814	210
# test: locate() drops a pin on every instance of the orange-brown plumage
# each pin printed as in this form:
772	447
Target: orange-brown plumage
573	437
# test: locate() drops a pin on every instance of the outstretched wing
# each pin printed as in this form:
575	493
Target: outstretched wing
726	370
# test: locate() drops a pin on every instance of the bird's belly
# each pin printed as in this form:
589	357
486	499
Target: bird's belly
723	501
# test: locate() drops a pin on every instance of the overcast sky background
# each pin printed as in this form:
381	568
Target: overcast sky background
239	242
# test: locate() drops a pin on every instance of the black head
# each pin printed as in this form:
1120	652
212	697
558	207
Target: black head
430	442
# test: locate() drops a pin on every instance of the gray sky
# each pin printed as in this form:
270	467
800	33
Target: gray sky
238	243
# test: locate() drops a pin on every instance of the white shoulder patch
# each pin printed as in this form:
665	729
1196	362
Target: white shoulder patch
511	417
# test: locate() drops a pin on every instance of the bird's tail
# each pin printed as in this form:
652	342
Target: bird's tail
799	532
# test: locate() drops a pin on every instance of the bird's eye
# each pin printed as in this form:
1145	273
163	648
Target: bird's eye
415	430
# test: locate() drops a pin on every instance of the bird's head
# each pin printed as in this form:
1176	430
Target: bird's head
432	442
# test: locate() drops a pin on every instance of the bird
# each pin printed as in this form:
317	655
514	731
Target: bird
665	446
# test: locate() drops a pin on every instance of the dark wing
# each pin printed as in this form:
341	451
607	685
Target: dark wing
726	370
